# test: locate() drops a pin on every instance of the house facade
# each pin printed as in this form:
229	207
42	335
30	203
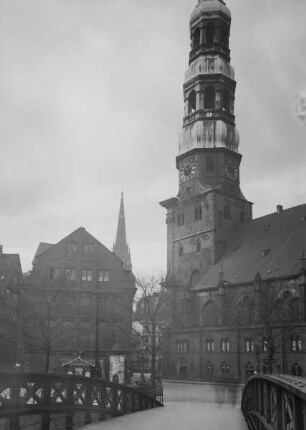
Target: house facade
10	284
78	301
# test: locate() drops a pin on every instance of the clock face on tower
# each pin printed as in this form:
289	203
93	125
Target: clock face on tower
231	169
187	170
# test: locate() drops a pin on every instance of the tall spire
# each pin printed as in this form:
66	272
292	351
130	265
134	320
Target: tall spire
121	248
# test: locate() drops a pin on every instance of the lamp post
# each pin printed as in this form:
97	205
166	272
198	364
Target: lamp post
142	356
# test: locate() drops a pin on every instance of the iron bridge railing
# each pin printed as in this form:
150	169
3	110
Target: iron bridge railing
47	395
275	402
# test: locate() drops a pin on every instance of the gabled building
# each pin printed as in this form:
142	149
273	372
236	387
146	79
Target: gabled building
10	282
77	300
237	284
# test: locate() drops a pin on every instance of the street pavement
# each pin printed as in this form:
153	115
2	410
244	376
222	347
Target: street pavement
187	407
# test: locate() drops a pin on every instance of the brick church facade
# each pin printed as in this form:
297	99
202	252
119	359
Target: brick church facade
237	284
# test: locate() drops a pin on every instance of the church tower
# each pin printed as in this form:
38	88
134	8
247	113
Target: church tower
121	248
209	205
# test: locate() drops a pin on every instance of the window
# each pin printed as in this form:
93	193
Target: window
180	219
209	98
224	345
210	345
249	369
265	345
182	345
296	370
181	250
226	101
296	343
226	210
70	274
225	368
188	191
196	38
71	247
209	368
88	247
249	344
209	164
103	276
198	213
53	273
198	246
87	275
192	102
210	313
210	33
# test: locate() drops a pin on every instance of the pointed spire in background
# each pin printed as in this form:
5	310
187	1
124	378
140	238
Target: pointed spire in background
121	248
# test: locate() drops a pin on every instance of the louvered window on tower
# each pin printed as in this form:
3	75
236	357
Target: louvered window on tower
209	98
196	38
210	33
192	102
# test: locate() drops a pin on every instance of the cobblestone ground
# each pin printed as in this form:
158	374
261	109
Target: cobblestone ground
187	407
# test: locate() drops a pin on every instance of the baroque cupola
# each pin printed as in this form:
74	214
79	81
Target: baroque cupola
209	89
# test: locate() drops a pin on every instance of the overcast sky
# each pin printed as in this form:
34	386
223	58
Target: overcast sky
91	101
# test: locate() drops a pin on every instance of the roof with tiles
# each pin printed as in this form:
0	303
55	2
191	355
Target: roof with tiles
271	246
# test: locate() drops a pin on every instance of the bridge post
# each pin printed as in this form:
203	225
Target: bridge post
299	413
15	393
47	400
279	412
88	417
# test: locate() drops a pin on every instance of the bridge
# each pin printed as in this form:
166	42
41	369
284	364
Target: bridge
46	396
275	402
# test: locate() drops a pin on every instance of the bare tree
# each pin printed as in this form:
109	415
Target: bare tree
46	318
151	312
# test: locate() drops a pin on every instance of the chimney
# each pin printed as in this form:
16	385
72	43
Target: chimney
279	209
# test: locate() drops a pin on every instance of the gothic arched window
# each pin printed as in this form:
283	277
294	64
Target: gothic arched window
196	38
210	316
209	98
210	33
192	102
209	163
